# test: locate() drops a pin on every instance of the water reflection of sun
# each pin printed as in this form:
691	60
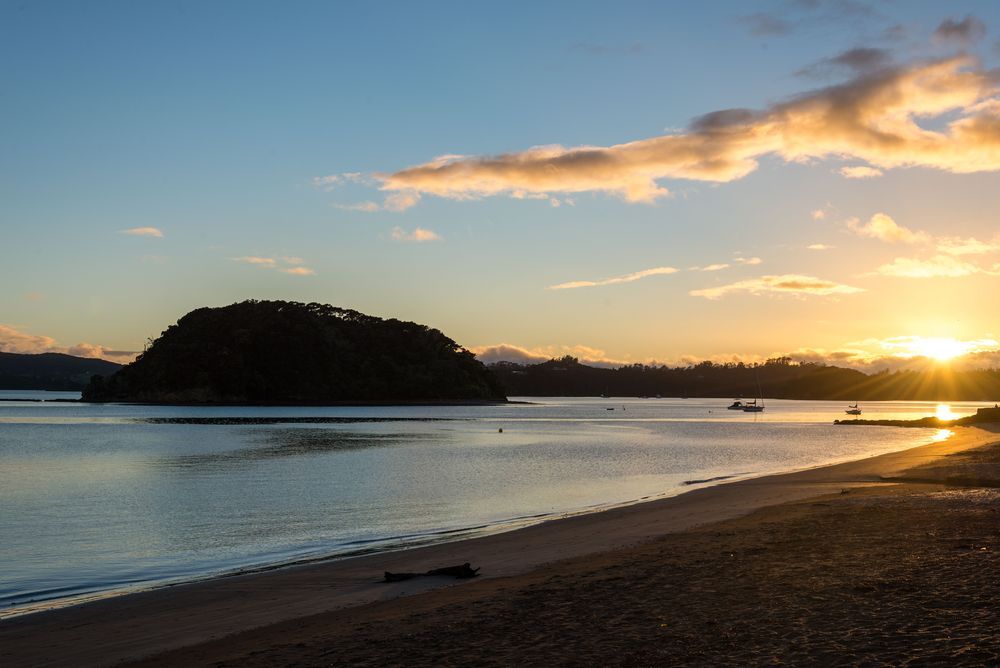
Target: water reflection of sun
944	412
942	435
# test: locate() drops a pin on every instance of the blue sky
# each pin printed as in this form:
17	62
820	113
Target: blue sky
211	123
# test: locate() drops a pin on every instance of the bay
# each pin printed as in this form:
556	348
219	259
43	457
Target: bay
99	499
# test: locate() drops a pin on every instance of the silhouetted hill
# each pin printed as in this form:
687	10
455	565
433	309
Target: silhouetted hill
780	378
50	371
289	352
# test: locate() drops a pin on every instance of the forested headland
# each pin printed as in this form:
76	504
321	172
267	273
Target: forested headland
283	352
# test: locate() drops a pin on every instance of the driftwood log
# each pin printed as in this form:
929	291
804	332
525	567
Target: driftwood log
463	571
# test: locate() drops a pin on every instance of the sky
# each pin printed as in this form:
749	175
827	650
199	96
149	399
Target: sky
654	182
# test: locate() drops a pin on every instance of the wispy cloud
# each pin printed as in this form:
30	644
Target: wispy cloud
881	226
711	267
939	266
859	60
860	172
819	247
963	33
394	203
332	181
143	232
418	235
747	260
818	214
945	264
626	278
763	24
367	206
285	264
266	262
969	246
871	118
792	284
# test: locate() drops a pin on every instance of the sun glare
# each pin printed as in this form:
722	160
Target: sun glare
944	412
941	350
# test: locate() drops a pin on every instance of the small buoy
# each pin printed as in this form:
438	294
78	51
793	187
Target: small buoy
500	430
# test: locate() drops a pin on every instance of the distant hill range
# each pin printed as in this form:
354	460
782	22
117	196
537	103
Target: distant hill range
50	371
780	378
278	352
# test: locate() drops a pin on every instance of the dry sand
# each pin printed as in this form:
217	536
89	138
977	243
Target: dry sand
781	569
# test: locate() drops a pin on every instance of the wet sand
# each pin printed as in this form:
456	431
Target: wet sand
884	560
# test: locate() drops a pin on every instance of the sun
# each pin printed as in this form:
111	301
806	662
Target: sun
939	349
944	412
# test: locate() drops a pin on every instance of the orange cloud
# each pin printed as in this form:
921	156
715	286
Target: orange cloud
13	340
871	118
100	352
785	284
884	228
16	341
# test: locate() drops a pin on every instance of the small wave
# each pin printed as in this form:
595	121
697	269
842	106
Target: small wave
715	479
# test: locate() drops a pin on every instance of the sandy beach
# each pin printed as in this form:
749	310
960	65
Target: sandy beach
889	560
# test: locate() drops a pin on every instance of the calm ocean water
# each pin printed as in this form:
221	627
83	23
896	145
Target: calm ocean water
105	498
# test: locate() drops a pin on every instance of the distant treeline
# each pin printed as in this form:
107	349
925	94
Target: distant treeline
779	378
50	371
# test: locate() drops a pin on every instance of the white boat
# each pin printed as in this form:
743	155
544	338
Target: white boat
753	406
853	410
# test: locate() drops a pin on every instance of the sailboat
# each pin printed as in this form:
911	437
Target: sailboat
853	410
753	406
737	405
